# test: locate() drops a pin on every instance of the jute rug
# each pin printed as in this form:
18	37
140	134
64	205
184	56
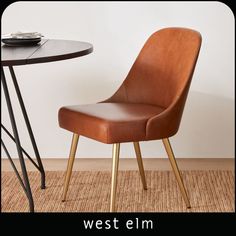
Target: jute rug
89	191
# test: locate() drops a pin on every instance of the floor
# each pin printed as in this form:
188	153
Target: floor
210	183
89	191
96	164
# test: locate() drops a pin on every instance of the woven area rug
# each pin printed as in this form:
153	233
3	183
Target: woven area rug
89	191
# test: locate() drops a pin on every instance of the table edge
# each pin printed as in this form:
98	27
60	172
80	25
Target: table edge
29	61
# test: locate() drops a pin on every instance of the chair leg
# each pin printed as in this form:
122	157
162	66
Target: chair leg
70	163
115	164
140	164
175	168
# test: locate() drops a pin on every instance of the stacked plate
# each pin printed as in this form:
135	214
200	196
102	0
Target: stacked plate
22	38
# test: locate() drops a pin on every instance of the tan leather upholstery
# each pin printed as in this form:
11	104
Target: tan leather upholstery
109	122
150	102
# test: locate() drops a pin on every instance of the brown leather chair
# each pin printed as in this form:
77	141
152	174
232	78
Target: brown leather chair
147	106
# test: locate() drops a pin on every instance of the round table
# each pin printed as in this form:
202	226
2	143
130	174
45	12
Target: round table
47	50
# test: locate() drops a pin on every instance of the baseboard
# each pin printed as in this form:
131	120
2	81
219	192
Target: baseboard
56	164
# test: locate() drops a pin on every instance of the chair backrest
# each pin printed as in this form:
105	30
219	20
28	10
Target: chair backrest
163	69
161	76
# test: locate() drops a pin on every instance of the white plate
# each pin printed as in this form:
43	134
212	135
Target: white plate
23	35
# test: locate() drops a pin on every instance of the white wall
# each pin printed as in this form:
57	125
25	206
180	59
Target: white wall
118	30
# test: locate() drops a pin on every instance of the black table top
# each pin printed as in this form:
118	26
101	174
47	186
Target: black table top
46	51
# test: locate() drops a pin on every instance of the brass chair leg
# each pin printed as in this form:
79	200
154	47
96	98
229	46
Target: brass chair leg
175	168
70	163
140	164
115	164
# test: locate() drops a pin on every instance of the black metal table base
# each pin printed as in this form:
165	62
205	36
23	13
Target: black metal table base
15	137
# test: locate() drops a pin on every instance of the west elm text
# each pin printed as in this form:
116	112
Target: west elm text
114	224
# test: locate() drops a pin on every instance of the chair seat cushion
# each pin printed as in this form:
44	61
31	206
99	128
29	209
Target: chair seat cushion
108	122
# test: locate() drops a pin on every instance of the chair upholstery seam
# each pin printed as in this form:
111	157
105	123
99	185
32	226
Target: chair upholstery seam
126	94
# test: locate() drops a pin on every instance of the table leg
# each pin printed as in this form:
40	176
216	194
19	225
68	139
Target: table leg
17	140
28	127
13	166
23	150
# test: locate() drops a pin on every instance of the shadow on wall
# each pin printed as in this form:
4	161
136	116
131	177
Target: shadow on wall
207	128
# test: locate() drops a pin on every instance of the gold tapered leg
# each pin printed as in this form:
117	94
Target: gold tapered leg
70	163
140	164
115	164
175	168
